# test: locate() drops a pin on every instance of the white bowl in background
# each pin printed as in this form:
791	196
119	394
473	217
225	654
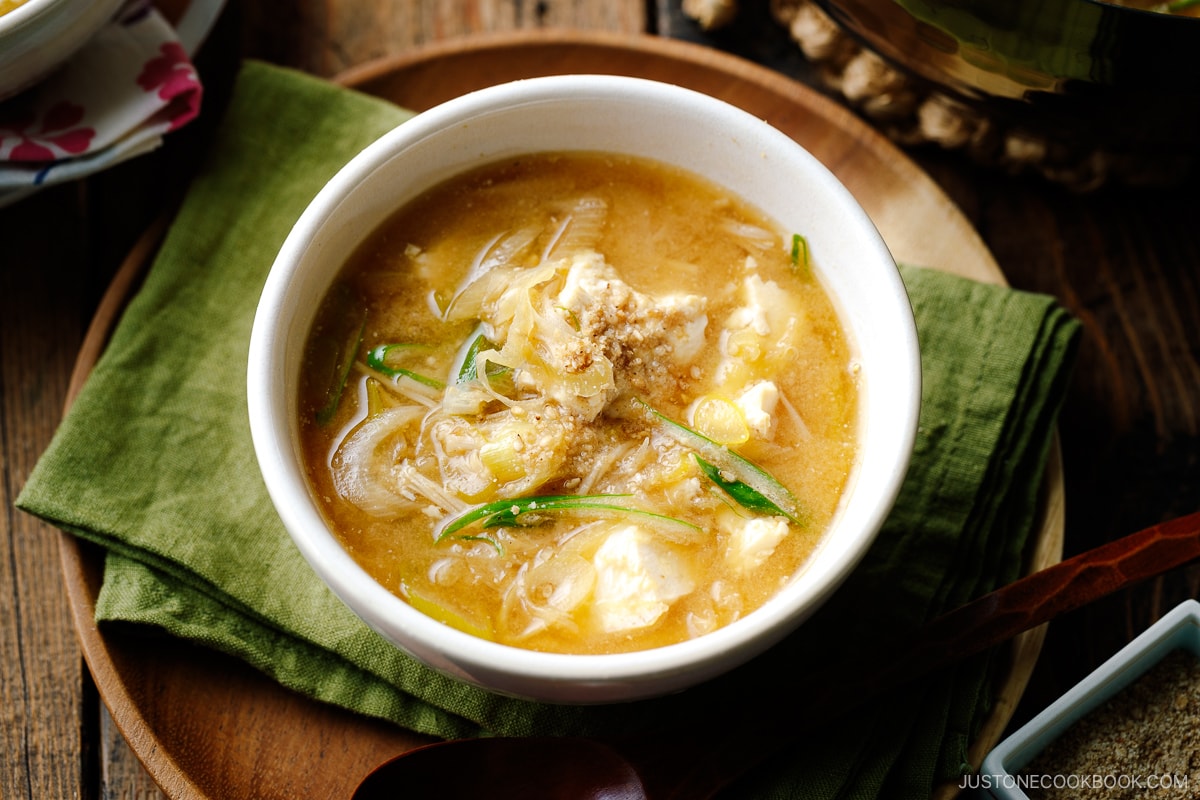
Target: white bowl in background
613	114
40	35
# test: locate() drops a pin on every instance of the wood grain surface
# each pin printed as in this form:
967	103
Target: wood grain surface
1125	261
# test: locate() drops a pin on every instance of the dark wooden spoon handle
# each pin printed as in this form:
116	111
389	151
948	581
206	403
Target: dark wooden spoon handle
1044	595
1047	594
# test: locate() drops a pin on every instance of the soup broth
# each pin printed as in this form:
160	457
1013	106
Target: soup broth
579	403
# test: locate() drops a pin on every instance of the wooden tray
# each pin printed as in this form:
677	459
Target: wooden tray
207	726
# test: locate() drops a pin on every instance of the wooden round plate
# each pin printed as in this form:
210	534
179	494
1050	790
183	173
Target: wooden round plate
207	726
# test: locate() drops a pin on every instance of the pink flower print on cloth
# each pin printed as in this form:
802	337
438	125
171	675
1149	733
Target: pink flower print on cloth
114	99
56	135
172	76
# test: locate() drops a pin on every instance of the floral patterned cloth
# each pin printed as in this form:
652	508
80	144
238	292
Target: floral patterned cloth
115	99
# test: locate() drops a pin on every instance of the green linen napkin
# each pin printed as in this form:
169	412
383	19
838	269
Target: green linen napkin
154	463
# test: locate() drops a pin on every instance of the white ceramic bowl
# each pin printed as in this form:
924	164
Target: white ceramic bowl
1000	775
39	35
613	114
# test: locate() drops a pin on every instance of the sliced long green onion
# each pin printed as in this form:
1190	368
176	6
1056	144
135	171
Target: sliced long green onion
740	492
375	401
481	538
442	613
340	346
506	513
800	256
750	482
571	316
498	375
383	359
466	369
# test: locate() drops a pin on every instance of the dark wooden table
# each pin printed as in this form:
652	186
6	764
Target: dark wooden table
1127	262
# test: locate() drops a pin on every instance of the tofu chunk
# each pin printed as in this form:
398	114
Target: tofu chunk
758	335
753	541
637	579
758	403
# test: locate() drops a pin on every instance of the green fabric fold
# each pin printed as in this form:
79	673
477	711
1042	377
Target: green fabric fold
154	464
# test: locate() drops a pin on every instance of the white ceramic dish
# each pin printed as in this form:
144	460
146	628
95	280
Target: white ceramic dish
39	35
613	114
1179	629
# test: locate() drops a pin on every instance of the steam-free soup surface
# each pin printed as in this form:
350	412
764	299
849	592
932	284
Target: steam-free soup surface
591	404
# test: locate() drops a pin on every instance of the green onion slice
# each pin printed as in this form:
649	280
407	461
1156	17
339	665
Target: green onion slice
751	486
338	347
384	357
498	375
800	256
571	317
506	513
480	538
742	493
466	369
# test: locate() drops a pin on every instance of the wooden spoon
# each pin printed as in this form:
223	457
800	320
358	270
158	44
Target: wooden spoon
682	767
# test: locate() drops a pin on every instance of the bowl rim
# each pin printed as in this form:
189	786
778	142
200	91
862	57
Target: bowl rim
748	635
27	13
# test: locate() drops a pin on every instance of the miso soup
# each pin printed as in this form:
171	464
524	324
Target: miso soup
580	403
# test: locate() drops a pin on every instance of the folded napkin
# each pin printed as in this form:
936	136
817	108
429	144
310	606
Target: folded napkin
154	463
114	99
